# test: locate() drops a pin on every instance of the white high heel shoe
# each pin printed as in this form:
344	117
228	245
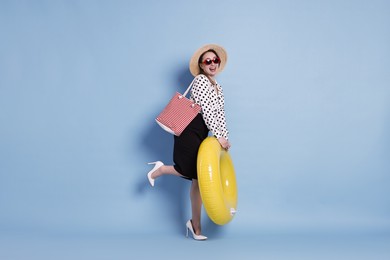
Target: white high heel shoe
195	236
157	165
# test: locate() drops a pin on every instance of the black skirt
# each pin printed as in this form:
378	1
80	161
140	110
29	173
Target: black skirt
185	150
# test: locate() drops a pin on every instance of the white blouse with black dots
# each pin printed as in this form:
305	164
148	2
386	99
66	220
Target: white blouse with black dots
212	103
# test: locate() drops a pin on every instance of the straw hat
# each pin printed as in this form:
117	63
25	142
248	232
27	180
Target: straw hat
194	66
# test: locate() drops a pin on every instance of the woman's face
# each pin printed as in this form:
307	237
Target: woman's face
210	63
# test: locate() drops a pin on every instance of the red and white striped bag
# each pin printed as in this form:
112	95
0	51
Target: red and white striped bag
178	114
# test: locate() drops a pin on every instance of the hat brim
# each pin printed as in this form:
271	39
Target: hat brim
221	52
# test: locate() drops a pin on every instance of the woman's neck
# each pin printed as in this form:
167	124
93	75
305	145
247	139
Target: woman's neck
211	79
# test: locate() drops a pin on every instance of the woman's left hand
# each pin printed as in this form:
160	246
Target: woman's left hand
224	143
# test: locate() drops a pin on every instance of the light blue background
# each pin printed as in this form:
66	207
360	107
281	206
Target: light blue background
307	92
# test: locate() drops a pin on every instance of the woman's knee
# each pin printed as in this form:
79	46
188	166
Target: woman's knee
195	183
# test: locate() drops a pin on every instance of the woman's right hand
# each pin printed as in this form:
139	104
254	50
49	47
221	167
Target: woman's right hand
224	143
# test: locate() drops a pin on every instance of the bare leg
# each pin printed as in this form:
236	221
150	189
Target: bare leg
165	169
196	205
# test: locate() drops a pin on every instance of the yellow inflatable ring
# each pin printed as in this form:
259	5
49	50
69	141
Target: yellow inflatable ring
217	181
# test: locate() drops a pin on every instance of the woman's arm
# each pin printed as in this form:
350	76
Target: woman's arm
212	110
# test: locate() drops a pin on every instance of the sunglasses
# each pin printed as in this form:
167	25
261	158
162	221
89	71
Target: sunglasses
208	61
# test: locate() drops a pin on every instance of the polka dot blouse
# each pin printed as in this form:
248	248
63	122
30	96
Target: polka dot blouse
212	103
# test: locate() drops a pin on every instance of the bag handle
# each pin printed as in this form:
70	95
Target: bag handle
189	87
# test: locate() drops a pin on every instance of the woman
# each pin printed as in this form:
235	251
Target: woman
205	64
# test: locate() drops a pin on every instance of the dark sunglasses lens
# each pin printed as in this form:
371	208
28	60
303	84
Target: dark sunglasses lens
208	61
217	60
